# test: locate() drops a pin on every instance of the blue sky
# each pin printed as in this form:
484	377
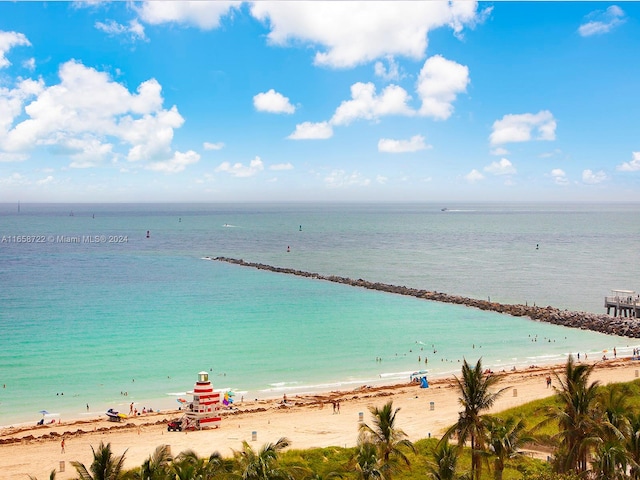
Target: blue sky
321	101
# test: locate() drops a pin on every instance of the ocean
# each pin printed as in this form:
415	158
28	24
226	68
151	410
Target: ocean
95	314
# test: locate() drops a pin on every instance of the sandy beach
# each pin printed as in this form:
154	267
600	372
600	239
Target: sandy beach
308	421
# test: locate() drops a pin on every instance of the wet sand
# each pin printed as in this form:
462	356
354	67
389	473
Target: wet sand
308	421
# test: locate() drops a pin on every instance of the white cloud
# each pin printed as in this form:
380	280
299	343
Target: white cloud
134	30
86	152
392	72
12	157
29	64
85	114
365	104
204	15
312	131
12	101
550	154
357	32
176	164
632	166
87	3
13	179
340	179
474	176
150	135
8	40
381	179
592	178
519	128
464	10
439	82
600	22
281	166
45	181
559	176
213	146
503	167
414	144
499	151
272	102
240	170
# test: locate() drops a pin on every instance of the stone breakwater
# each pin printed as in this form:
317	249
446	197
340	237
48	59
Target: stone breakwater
624	327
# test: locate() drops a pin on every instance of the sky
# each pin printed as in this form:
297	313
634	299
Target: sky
417	101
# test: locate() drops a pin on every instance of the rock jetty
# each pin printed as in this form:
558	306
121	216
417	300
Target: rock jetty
624	327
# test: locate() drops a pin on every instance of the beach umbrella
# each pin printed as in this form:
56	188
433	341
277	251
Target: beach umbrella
44	412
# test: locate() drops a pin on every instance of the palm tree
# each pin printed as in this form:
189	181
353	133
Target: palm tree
156	466
576	416
388	438
632	444
504	439
104	466
475	397
445	458
216	465
262	465
183	467
610	462
189	465
615	405
366	460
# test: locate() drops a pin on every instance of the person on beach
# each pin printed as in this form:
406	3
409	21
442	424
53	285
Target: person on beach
548	381
62	446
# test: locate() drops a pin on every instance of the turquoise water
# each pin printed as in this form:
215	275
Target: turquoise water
85	323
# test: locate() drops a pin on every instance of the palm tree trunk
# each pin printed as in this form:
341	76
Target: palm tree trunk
498	468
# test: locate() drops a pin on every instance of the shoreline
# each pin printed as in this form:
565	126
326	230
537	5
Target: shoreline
307	420
163	404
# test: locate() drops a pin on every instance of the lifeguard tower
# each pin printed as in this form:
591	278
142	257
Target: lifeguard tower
203	411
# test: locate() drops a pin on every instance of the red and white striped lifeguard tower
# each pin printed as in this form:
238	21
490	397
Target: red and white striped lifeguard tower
203	411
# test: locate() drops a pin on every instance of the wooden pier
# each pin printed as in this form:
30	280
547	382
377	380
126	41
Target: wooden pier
625	303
